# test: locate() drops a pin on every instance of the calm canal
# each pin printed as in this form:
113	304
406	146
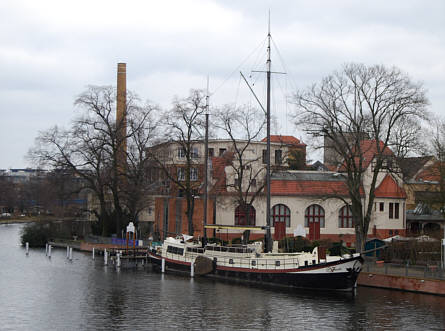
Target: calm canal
37	293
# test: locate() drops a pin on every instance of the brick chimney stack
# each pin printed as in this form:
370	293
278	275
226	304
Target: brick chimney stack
121	113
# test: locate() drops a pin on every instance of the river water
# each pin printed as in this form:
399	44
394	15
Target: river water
38	293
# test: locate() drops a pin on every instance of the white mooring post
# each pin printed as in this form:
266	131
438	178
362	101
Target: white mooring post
105	257
163	266
118	260
27	248
46	249
67	252
71	254
93	253
192	270
49	251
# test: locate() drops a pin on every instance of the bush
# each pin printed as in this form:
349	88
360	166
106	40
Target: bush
36	234
297	244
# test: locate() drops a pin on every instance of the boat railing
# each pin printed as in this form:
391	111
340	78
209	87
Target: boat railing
177	257
264	263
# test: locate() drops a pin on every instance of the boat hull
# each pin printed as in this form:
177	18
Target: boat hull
338	276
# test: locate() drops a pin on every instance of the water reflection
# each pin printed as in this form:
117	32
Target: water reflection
39	293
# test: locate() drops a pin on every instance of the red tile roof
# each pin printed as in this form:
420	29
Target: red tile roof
430	173
369	150
309	188
289	140
388	188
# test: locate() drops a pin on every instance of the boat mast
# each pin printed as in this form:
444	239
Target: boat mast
206	162
268	243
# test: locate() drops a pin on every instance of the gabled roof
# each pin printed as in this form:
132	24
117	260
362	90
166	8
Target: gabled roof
388	188
430	173
368	150
287	140
410	166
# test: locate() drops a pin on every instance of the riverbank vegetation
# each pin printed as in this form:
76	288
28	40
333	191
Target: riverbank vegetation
36	234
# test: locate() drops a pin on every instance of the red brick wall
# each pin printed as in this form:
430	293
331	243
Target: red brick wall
198	216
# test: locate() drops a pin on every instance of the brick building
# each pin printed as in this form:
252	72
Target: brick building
300	199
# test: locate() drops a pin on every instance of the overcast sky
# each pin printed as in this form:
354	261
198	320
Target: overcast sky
51	50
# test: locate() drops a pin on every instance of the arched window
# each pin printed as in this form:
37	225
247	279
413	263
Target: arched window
314	213
345	217
281	213
241	215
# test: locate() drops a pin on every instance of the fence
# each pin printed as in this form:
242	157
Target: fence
427	271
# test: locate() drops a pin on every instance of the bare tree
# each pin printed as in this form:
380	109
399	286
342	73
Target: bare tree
243	125
437	148
184	125
405	138
355	104
91	148
138	188
9	194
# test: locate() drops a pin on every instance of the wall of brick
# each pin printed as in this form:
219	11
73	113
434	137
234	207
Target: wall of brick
177	217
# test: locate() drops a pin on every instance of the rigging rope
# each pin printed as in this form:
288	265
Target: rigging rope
237	68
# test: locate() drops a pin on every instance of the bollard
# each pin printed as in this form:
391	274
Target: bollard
105	257
93	253
118	260
71	254
163	266
49	251
27	248
67	252
46	249
192	270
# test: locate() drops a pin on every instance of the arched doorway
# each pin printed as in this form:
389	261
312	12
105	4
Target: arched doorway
314	220
280	220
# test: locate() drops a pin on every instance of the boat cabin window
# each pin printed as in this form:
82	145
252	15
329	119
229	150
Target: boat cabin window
313	261
230	249
254	263
175	250
277	263
195	249
230	261
306	263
